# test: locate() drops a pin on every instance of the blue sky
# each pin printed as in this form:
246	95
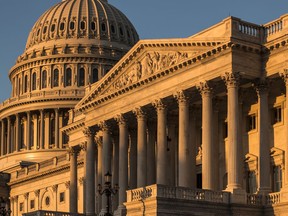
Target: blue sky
151	18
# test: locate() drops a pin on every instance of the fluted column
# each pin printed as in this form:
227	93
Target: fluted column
234	159
89	172
264	147
141	147
56	128
2	136
28	131
207	136
35	131
123	163
73	151
17	131
9	146
161	169
185	151
42	133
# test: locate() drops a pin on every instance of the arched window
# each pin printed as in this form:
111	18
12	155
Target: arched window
19	86
68	77
25	83
34	81
44	79
55	78
81	77
95	77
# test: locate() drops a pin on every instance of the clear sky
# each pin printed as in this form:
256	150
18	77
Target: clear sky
151	18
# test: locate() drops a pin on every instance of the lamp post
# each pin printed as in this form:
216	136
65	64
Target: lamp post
3	210
108	191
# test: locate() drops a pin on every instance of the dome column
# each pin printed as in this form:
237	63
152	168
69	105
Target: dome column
9	146
56	128
73	151
17	133
42	132
2	136
28	131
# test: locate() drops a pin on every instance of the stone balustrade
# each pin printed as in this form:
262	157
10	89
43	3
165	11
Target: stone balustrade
177	193
273	198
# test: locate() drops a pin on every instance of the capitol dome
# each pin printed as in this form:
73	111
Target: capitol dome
70	47
90	22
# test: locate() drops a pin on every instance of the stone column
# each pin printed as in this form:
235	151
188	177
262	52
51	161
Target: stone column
9	146
28	131
106	157
123	164
141	147
17	137
55	193
99	142
35	131
207	136
73	151
2	136
56	128
161	169
133	160
151	156
89	172
42	134
47	130
185	151
115	171
26	197
264	147
234	159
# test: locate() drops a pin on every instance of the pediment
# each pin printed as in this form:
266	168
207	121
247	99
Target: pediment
144	61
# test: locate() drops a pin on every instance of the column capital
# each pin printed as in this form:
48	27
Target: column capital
205	89
67	184
83	146
181	97
104	126
88	132
54	188
37	192
231	79
139	112
159	104
74	150
284	75
99	141
261	87
121	120
81	180
26	195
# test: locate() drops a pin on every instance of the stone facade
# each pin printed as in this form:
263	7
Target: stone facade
192	126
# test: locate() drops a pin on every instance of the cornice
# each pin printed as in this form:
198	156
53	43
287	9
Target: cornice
38	175
78	125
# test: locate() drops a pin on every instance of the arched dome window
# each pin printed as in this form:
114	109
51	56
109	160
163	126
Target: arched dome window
103	27
55	79
72	25
25	83
34	81
81	77
62	26
83	25
93	26
44	79
95	76
68	77
53	28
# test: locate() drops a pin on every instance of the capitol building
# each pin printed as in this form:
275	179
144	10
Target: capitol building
182	126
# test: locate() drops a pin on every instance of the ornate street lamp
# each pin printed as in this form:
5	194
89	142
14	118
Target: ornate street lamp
3	210
108	191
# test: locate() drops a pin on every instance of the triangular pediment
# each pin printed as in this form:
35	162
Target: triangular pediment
146	59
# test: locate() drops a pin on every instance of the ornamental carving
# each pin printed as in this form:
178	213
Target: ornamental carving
99	141
88	132
284	76
153	62
159	105
261	87
204	89
231	79
181	97
104	126
120	119
139	112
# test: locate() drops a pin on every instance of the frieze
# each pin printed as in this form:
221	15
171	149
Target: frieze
153	62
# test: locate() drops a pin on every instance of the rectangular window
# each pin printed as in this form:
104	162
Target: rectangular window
62	197
251	122
251	182
277	114
21	207
277	178
32	204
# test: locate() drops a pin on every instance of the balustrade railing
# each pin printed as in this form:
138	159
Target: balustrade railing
254	199
177	193
273	198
